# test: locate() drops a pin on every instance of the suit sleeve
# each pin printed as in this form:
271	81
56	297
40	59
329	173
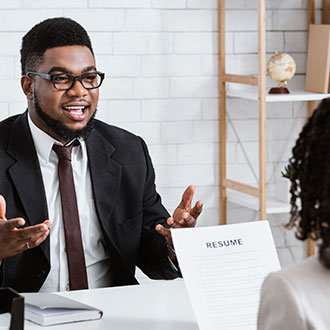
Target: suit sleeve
152	258
280	306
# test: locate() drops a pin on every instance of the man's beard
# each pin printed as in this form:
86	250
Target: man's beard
60	130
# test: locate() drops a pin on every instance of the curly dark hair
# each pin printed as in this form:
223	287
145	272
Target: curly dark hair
310	181
53	32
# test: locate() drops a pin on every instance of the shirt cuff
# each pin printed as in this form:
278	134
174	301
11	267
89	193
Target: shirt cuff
176	268
175	265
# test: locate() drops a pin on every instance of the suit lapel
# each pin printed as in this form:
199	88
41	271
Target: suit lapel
27	179
26	175
105	177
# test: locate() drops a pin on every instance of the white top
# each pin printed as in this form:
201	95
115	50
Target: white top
92	238
297	297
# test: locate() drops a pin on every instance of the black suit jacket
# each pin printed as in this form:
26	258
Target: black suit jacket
127	204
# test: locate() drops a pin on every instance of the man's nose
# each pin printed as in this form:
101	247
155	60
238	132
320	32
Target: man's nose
77	90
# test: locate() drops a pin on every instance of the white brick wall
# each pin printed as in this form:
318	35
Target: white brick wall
169	4
165	65
195	42
143	43
189	20
143	20
171	110
160	59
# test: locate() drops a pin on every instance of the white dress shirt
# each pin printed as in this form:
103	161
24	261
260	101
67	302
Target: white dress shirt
97	259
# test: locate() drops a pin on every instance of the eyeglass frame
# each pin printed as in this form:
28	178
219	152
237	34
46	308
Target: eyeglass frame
52	76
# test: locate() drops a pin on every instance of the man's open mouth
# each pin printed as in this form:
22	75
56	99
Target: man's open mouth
76	111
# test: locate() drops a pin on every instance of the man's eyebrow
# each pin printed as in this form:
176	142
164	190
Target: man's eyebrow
89	68
65	70
58	69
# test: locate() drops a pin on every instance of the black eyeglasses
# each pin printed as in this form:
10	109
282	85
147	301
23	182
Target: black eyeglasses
65	81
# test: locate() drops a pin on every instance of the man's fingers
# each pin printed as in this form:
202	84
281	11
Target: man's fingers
171	222
197	209
185	220
39	240
2	208
163	231
25	246
47	223
179	222
187	197
33	242
11	224
166	233
29	233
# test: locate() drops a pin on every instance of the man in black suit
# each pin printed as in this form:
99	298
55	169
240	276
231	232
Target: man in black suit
123	223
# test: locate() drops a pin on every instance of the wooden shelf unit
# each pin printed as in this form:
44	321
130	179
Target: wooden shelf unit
255	197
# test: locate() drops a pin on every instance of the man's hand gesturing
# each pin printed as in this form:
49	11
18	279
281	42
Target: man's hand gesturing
183	217
14	239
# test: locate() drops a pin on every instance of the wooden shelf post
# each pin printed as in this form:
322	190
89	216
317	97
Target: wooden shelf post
222	112
262	106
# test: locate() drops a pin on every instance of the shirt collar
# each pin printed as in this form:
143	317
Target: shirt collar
44	142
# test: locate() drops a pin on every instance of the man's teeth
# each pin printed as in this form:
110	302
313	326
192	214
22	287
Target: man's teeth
75	109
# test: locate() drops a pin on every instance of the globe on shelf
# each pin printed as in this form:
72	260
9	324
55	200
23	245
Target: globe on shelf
281	68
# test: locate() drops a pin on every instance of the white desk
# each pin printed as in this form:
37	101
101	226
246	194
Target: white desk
160	305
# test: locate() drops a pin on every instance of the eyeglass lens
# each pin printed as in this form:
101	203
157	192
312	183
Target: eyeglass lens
88	80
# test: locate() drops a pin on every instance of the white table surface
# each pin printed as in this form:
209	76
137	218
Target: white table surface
158	305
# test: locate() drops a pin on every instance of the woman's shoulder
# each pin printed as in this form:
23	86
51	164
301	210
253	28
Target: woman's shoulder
299	294
304	271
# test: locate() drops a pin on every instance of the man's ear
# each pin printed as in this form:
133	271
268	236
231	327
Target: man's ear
27	86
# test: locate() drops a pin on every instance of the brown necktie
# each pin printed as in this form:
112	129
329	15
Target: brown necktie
73	242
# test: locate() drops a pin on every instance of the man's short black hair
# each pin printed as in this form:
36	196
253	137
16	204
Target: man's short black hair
53	32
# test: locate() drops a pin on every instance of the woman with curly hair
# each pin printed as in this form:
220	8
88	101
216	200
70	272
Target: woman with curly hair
298	297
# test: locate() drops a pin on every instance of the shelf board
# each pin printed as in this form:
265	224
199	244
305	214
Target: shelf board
295	95
272	205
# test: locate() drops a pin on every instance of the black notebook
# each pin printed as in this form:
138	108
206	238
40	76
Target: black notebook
50	308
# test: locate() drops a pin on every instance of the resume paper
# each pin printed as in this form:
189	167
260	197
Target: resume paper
223	268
